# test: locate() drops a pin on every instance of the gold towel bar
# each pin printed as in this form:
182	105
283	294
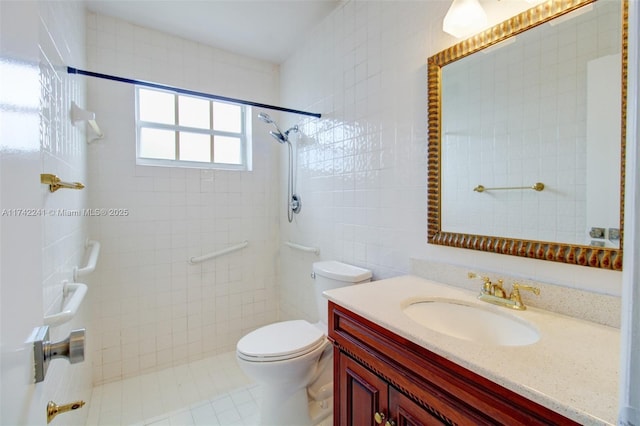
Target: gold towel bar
56	183
538	186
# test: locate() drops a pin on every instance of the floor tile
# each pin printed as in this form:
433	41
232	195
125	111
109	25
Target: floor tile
208	392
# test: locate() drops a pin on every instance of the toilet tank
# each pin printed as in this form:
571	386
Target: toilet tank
332	274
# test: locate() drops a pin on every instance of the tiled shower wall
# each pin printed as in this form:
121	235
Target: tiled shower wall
362	168
63	144
63	150
153	309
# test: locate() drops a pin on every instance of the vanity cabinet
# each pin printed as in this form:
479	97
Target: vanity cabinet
379	372
368	399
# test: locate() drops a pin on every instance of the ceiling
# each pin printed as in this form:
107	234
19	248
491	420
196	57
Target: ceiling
263	29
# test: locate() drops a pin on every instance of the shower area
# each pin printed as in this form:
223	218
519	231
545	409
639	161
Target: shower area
164	329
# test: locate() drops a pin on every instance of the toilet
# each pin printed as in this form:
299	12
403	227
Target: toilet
292	360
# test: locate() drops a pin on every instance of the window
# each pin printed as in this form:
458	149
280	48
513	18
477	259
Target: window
189	131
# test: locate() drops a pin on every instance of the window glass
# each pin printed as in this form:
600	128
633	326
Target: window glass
227	150
175	129
227	117
157	143
156	106
194	112
195	147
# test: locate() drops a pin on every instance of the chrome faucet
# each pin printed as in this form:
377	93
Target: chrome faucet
495	294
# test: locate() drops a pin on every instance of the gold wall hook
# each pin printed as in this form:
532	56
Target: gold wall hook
54	409
56	183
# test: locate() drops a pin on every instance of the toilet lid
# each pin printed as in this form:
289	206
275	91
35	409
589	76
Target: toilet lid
281	340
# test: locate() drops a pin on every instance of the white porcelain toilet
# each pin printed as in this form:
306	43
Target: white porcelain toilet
291	360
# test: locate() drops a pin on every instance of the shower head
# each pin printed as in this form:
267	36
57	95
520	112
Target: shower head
283	137
279	137
265	117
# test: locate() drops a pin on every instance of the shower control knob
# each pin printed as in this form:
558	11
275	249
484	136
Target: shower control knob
296	203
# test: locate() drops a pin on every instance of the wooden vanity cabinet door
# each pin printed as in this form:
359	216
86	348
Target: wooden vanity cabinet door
361	393
405	412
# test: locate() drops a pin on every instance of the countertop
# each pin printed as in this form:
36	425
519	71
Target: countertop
572	369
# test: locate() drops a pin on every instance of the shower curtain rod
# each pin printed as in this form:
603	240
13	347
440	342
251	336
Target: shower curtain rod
72	70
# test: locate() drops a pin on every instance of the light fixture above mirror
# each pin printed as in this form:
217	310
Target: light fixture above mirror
464	17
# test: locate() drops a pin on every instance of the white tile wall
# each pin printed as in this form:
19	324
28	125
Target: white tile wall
153	309
63	152
63	145
362	166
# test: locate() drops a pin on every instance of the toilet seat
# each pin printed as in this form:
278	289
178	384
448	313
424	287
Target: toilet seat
280	341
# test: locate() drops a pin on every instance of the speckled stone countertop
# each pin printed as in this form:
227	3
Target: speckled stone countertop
572	369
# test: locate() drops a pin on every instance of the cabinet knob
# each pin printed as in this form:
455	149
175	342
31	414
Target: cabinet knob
379	418
390	423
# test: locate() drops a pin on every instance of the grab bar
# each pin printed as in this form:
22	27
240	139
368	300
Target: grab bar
68	308
194	260
91	262
538	186
306	249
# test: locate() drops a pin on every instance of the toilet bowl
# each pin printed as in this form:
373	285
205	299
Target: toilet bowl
291	360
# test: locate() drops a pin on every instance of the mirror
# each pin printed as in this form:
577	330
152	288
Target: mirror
527	136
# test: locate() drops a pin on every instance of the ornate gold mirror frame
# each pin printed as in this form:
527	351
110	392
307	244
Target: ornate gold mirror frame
597	257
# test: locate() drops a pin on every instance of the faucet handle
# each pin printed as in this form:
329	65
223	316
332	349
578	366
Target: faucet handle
487	285
515	294
517	286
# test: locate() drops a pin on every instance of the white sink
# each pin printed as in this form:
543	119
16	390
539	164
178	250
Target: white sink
471	322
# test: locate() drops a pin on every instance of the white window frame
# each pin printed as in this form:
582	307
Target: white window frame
243	135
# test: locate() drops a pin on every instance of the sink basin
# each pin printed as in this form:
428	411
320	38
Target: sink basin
471	322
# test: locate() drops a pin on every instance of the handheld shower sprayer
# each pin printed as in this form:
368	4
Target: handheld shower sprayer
265	117
281	137
294	203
